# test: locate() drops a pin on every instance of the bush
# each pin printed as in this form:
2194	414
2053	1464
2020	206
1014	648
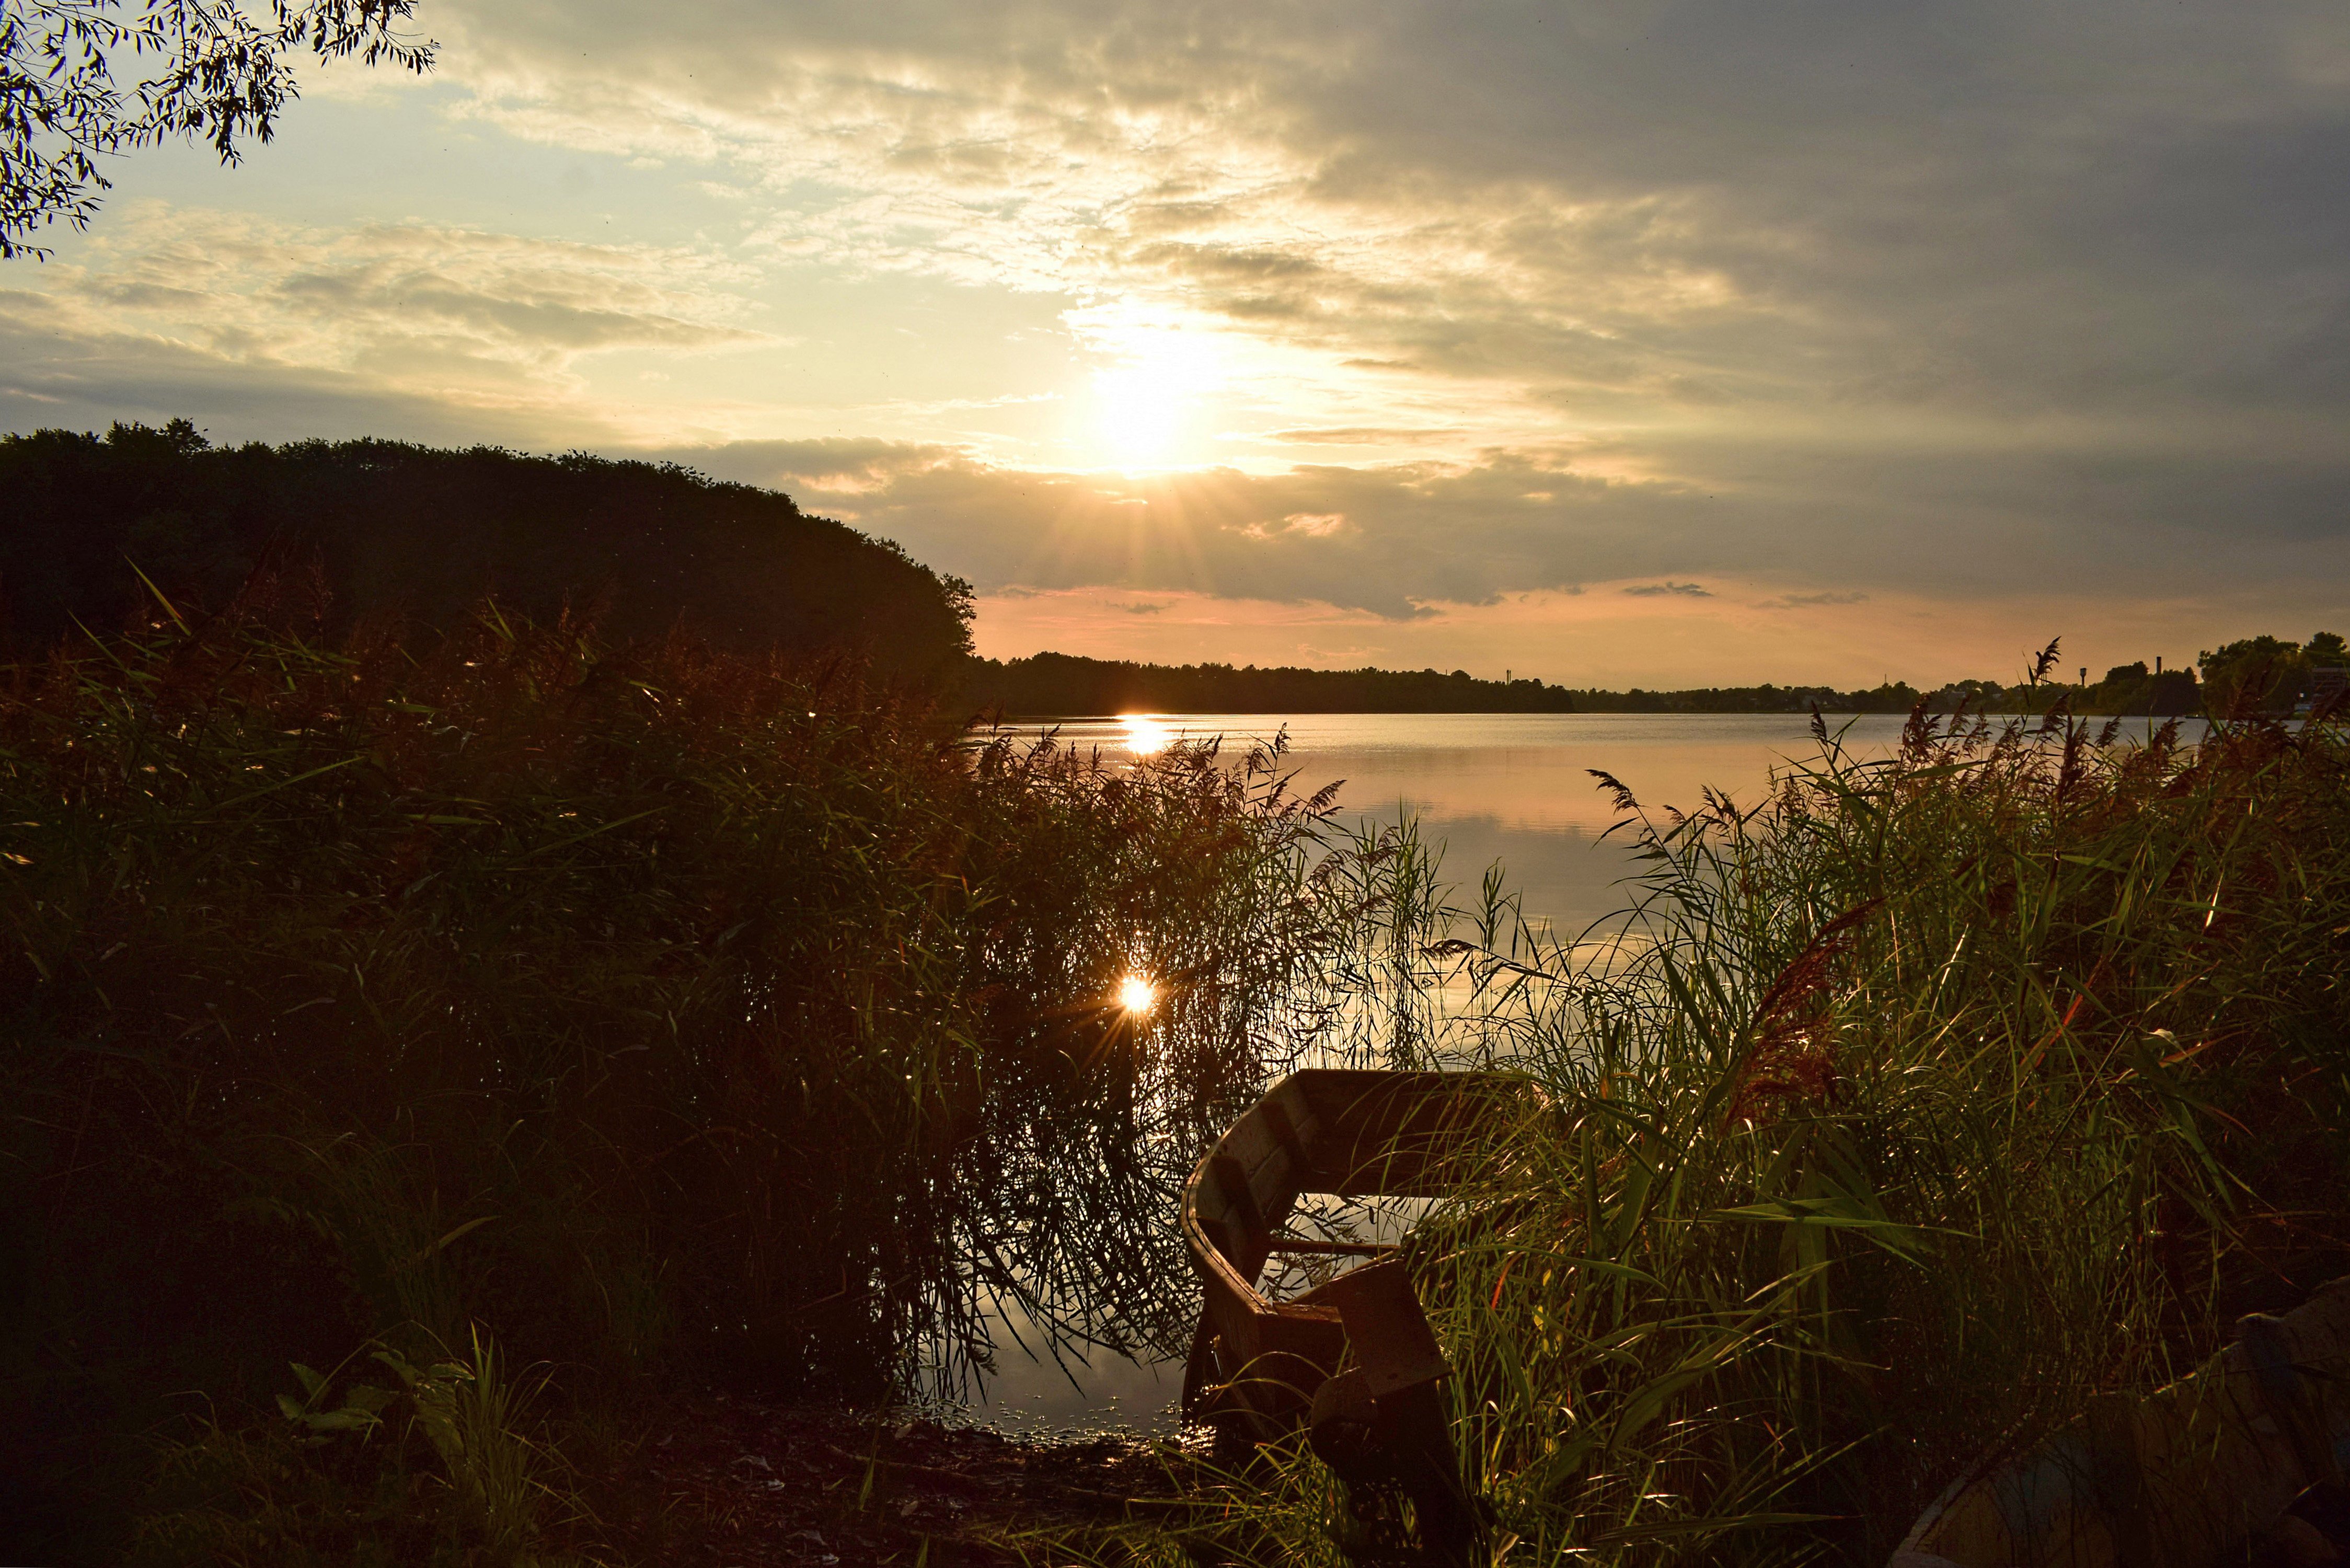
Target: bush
650	1008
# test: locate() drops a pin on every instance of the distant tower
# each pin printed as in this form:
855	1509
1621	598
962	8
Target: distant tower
2158	664
2084	675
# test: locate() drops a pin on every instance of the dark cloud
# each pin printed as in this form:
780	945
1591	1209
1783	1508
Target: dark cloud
1417	534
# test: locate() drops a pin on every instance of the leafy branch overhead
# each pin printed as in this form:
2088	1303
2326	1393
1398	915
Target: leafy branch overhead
209	69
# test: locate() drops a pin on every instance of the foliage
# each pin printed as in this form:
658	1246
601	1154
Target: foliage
220	73
427	533
2266	674
430	1463
654	1009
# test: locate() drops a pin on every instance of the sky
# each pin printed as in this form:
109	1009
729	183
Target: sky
1615	342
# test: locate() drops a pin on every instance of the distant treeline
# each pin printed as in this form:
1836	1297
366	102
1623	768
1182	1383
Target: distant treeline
2255	675
429	533
1894	697
1059	684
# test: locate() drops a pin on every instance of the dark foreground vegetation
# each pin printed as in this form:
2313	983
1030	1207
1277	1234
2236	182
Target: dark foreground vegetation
422	1064
512	1026
458	1073
430	533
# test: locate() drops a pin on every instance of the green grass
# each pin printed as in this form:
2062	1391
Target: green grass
621	1013
1911	1109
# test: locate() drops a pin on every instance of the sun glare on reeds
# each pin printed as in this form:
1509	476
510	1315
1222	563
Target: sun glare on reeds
1144	735
1136	994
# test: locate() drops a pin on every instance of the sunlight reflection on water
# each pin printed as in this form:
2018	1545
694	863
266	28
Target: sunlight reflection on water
1143	735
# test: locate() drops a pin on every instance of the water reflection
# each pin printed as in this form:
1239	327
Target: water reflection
1142	734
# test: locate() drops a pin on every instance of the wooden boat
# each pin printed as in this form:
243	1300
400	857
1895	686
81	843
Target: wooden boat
1256	1363
1260	1367
2245	1455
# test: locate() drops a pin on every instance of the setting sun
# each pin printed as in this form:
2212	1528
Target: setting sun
1146	406
1139	415
1136	994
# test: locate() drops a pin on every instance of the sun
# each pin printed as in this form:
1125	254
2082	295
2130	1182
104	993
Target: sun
1149	406
1139	415
1136	994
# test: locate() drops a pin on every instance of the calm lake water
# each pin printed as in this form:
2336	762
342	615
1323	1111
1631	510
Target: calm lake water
1512	787
1516	787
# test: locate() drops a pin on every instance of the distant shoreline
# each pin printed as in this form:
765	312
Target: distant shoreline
1108	717
1065	686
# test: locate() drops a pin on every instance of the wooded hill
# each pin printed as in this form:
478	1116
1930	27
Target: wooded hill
427	534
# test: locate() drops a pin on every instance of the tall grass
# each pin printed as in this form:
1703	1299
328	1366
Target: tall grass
648	1009
1911	1109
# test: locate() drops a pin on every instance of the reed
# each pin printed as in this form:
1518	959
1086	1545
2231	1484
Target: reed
1902	1114
639	1010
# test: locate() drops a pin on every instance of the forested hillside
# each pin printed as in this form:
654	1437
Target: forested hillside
429	533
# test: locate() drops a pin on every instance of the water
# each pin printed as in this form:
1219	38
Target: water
1512	787
1517	787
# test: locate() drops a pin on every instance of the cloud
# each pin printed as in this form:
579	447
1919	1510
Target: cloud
1366	435
1810	601
1474	533
408	313
1701	205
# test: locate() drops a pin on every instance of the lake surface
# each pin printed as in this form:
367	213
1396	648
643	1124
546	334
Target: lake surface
1509	787
1516	787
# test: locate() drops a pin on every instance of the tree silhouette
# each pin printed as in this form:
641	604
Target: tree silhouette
220	72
